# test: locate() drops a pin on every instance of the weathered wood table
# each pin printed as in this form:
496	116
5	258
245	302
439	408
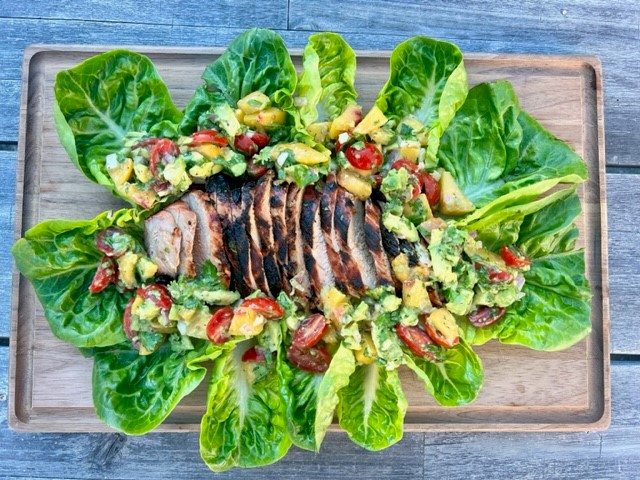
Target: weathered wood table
594	27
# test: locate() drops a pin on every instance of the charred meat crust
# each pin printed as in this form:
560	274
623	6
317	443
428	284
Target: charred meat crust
295	245
342	218
264	224
327	209
278	205
256	264
187	223
373	238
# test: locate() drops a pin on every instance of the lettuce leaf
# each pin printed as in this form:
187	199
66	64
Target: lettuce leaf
245	424
427	80
101	100
454	381
492	147
326	84
59	258
257	59
372	407
134	393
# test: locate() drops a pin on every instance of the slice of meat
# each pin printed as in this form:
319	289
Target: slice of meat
389	241
256	264
373	238
316	259
327	209
264	224
358	242
278	205
409	249
162	240
226	201
342	219
209	243
186	221
296	271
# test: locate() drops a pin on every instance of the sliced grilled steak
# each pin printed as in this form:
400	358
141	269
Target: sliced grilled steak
186	221
209	243
327	209
236	245
278	205
342	219
373	238
162	240
316	259
358	242
409	249
296	271
256	264
264	224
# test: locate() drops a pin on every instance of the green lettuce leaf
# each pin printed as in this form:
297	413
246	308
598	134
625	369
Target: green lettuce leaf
427	80
372	407
134	393
245	424
326	84
257	59
59	258
101	100
492	147
454	381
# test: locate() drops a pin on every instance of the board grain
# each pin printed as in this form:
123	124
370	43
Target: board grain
524	390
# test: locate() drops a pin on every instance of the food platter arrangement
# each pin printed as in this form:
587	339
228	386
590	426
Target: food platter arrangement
301	250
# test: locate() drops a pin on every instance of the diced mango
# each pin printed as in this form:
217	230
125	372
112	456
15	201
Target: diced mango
319	131
372	121
302	153
354	183
208	150
120	172
382	136
127	269
400	267
254	102
452	200
265	118
415	295
143	173
246	322
346	121
410	149
367	354
445	324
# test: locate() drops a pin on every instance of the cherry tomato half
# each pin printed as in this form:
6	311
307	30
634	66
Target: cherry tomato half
315	360
208	136
254	170
366	158
310	331
158	294
417	340
268	308
408	165
514	257
112	241
251	142
431	188
253	355
493	274
164	151
106	274
437	336
484	316
218	326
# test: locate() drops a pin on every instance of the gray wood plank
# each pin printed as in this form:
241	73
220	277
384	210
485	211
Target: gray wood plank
609	454
623	191
7	201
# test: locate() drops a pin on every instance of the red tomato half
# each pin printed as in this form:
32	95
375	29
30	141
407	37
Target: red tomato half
310	331
253	355
408	165
514	257
208	136
366	158
106	274
484	316
255	171
158	294
431	188
312	359
268	308
417	340
106	242
164	151
251	142
218	326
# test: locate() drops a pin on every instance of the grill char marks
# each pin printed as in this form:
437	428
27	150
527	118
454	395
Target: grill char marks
373	239
264	224
278	205
236	245
208	244
295	245
327	209
316	259
256	265
358	243
342	219
162	240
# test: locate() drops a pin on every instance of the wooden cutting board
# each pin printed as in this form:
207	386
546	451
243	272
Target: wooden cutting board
524	390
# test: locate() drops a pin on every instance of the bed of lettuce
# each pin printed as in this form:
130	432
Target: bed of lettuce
519	176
